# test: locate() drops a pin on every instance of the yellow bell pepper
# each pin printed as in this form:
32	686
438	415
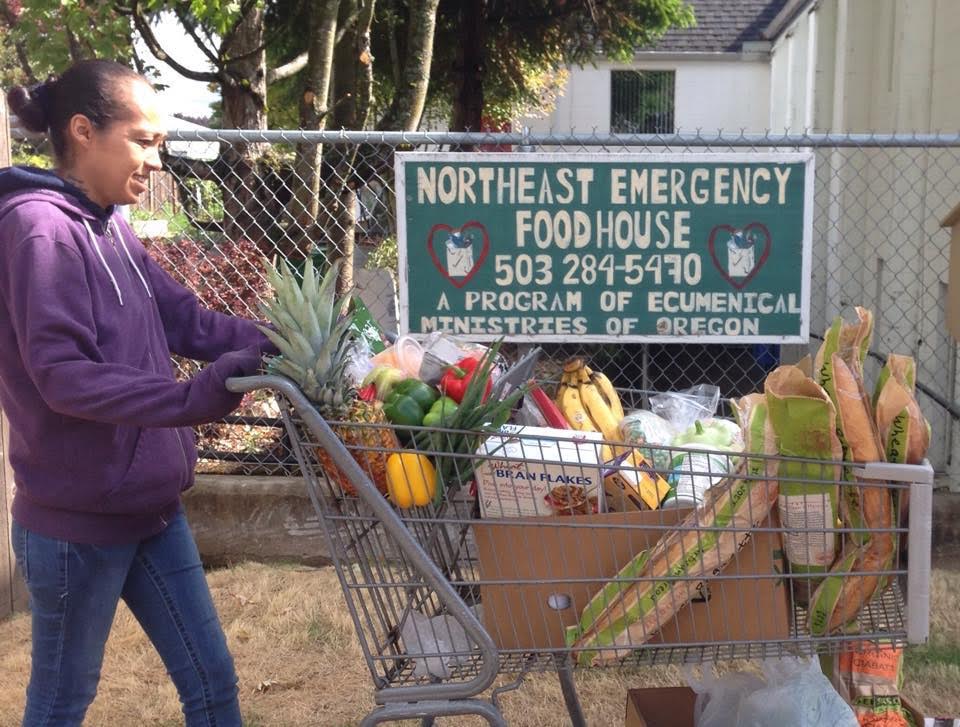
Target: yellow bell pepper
411	479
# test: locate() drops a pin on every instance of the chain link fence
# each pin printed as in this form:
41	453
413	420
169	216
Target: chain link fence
877	241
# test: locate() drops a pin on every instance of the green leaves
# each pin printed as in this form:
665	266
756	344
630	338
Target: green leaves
55	31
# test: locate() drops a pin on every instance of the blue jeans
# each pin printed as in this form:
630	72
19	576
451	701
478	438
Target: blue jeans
74	591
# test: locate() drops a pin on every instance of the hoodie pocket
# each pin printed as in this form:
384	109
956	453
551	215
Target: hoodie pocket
159	470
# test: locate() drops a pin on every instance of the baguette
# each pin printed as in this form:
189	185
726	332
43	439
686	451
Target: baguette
852	581
900	422
702	545
853	409
899	367
850	340
873	509
854	578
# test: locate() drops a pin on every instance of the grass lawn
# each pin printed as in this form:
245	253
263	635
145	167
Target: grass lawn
299	662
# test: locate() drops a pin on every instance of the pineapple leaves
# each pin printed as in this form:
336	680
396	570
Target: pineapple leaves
326	295
313	340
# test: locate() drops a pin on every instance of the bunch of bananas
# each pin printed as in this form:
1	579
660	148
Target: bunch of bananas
589	402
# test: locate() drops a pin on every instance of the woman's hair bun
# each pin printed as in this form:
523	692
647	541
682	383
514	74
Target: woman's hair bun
31	105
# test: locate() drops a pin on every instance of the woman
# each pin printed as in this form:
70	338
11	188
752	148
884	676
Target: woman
101	443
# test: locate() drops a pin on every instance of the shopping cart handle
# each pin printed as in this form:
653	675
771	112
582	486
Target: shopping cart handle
243	384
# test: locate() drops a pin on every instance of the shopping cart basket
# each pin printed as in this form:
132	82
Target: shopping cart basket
444	601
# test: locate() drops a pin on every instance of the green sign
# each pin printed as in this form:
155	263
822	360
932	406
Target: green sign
639	247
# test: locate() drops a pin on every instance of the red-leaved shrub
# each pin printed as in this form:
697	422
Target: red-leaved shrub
227	277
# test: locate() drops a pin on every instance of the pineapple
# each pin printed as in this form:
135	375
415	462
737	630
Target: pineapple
315	348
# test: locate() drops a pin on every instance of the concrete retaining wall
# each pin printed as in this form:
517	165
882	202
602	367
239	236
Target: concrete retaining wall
267	519
270	519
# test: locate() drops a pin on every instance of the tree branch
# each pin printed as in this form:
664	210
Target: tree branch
146	32
25	62
290	68
19	45
259	49
191	29
347	25
293	67
73	43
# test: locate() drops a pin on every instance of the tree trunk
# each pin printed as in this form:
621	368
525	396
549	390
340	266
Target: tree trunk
470	68
353	89
411	95
344	216
244	107
314	103
345	77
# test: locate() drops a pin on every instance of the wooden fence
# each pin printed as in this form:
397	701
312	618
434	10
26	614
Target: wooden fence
13	593
161	192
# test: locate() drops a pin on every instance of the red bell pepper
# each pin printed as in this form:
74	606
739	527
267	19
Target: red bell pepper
457	378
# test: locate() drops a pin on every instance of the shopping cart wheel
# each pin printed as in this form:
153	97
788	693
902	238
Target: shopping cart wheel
427	711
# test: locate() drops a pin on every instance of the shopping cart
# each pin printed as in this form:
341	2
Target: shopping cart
445	602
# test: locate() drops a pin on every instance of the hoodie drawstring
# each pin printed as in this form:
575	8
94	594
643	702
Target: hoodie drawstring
103	260
136	269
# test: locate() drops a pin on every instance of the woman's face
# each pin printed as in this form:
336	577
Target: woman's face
112	164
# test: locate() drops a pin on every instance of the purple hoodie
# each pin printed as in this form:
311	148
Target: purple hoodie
101	445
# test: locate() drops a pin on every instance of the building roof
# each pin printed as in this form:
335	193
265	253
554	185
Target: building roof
722	26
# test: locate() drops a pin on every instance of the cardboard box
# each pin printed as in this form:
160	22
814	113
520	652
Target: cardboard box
520	609
673	707
634	484
524	465
660	707
952	222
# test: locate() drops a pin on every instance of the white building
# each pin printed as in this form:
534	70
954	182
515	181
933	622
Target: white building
713	76
880	66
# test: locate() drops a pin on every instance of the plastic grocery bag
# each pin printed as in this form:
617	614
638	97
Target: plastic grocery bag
792	693
440	642
683	408
719	698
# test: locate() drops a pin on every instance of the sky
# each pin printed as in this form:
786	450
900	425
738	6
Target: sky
191	98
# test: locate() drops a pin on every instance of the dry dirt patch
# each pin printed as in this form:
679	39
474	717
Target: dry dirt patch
300	664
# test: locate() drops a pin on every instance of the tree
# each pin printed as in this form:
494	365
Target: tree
46	38
231	37
353	91
413	79
493	55
314	109
339	90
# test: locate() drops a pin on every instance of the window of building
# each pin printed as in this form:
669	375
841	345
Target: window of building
641	102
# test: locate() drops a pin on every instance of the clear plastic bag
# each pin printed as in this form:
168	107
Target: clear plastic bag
644	427
440	640
440	351
719	698
683	408
529	414
793	692
406	354
359	362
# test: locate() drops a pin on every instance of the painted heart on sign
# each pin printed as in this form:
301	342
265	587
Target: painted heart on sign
761	247
443	231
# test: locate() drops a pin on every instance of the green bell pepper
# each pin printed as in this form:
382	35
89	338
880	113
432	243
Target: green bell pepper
441	412
403	410
424	394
